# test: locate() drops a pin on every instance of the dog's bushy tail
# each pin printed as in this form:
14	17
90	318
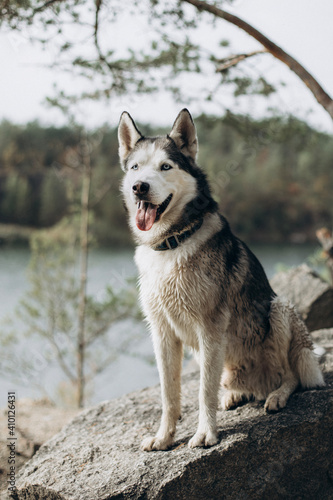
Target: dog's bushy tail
295	337
301	354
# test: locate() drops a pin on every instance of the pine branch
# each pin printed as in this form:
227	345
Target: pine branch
233	60
319	93
101	56
62	363
46	5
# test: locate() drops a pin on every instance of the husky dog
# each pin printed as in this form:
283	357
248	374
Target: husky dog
201	286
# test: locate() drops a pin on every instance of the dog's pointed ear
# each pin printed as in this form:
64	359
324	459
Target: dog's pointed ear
128	136
184	134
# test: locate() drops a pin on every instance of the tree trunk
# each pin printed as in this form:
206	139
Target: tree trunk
84	228
319	93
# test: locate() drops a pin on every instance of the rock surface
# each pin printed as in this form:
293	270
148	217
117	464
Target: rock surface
38	421
312	296
97	456
324	339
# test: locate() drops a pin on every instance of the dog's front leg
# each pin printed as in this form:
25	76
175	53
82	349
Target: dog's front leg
211	362
169	354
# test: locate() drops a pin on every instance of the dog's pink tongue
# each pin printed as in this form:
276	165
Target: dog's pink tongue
145	215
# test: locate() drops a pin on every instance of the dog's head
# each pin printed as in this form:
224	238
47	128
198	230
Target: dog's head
162	177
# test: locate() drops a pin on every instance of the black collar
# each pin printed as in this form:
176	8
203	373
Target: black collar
175	240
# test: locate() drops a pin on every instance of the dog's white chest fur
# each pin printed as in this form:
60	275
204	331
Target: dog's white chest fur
172	289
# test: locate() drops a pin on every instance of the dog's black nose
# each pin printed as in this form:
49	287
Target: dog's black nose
140	188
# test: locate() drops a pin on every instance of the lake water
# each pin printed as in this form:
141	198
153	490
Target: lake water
128	372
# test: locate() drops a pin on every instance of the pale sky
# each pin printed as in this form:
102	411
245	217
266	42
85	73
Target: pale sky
302	27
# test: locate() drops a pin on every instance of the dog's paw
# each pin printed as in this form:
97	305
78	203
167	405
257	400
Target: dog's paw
274	403
231	400
156	443
203	439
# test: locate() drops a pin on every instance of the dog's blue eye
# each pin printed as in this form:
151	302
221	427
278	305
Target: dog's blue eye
166	166
135	167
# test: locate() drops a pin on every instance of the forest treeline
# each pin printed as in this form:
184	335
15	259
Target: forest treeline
273	178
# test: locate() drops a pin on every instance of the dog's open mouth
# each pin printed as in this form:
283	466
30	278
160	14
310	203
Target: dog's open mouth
147	213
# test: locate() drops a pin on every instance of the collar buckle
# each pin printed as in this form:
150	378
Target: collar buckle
174	241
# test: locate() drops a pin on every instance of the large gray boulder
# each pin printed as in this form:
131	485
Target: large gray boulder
288	455
37	422
312	296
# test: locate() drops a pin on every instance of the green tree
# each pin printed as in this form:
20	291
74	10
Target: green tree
16	203
8	204
23	201
53	199
49	315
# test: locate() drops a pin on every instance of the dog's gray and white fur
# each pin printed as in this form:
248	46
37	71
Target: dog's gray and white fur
207	290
